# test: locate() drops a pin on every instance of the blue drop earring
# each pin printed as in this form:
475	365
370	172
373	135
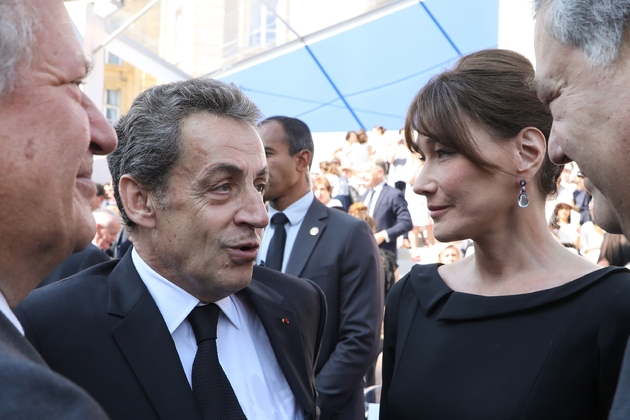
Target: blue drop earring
523	198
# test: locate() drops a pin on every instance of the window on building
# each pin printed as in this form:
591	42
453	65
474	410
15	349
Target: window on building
250	28
113	59
112	105
262	24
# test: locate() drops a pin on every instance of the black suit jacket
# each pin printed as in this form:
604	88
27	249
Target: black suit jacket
30	390
75	263
103	330
391	215
338	252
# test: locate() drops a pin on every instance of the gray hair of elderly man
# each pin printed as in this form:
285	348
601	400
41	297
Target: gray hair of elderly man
596	27
104	217
149	142
18	24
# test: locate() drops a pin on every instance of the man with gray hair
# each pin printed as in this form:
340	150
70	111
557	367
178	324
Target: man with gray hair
583	73
178	328
49	131
107	228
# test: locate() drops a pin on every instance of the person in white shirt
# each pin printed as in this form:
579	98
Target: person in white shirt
151	334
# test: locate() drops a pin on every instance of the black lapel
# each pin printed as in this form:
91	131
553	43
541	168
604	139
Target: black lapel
147	345
285	339
307	237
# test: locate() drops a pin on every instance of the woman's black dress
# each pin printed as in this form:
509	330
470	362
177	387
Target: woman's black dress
551	354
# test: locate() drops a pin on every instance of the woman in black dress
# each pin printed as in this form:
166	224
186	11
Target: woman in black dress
523	328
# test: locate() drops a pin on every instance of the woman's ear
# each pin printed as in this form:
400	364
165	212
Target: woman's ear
532	147
139	204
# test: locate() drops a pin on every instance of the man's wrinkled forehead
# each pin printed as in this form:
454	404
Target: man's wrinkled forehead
549	62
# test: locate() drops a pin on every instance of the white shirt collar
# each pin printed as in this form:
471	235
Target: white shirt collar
174	303
296	211
6	310
378	187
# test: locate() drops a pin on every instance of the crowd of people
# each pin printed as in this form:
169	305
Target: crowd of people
340	183
253	288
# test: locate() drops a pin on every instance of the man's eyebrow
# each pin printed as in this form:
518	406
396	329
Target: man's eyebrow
221	168
263	172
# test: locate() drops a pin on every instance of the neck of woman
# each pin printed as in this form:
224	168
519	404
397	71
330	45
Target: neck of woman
515	258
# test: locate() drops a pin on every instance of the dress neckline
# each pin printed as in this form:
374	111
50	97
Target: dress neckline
430	290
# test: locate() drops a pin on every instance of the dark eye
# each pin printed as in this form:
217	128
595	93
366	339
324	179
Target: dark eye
224	188
443	153
261	188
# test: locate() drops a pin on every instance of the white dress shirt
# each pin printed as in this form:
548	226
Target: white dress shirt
377	192
242	343
6	310
295	213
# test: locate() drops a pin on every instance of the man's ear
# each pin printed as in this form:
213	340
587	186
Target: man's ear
303	160
139	203
531	148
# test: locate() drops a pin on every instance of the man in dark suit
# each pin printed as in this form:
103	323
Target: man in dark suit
151	335
386	205
107	227
76	263
334	250
49	132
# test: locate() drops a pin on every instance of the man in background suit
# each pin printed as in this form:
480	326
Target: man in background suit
386	205
188	174
75	263
107	227
49	132
338	253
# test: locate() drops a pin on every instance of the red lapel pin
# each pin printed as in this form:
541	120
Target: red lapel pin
285	320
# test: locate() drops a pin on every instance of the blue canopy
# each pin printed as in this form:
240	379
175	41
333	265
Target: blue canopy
376	68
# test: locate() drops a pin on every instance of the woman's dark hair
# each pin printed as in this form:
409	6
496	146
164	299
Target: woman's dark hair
492	88
350	133
554	222
362	136
328	168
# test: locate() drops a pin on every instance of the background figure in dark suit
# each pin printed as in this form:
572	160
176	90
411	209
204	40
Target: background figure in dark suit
338	253
107	227
386	205
189	174
75	263
49	132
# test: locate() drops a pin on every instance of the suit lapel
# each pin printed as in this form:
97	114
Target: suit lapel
13	339
285	339
382	197
147	345
307	237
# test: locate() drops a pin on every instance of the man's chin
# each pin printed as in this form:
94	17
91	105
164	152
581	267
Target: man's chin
83	235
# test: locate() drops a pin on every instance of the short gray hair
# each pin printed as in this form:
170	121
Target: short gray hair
104	217
596	27
18	24
149	136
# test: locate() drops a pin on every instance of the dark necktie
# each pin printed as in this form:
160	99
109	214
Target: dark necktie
211	388
275	253
369	202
